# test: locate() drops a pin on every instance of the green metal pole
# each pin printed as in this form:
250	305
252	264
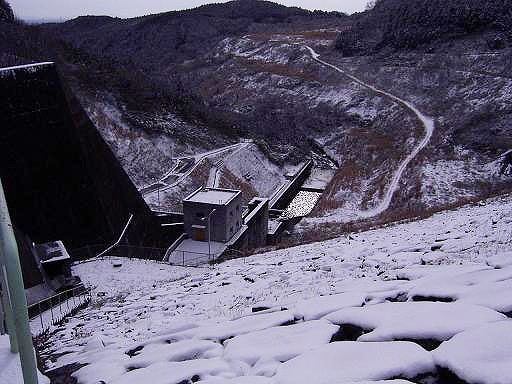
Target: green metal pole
15	287
7	308
3	331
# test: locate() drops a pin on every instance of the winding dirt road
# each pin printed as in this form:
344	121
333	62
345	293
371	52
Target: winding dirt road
426	121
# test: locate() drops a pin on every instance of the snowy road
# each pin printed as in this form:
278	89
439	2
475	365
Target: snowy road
215	172
197	161
427	122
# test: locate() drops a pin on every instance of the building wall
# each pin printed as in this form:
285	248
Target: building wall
257	224
233	217
221	221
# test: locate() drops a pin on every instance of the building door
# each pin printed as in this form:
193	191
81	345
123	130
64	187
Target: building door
199	233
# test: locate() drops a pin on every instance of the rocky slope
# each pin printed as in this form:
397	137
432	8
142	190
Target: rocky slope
370	288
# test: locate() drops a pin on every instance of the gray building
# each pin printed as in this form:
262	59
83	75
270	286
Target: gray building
219	208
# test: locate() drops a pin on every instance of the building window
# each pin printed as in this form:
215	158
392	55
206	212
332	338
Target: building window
231	230
237	208
237	224
231	213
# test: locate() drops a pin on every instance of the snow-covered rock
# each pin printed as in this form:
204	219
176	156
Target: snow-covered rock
480	355
414	320
318	307
99	372
279	344
353	361
241	380
179	351
175	372
484	286
155	318
237	327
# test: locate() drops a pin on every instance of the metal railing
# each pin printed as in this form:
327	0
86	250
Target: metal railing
52	310
13	298
118	241
173	247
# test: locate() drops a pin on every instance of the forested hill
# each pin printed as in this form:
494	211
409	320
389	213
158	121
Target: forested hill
156	41
409	24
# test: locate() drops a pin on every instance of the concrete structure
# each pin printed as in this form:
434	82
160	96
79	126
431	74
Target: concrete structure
190	253
62	180
256	221
285	195
213	214
253	233
56	263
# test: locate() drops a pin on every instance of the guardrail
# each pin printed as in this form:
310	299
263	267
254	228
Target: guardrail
173	247
51	311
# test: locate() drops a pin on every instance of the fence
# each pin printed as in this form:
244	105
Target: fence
176	257
129	251
54	309
191	259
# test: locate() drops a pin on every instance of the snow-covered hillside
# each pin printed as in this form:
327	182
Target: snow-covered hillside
409	301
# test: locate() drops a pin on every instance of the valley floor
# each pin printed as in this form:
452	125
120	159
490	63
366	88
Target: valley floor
425	301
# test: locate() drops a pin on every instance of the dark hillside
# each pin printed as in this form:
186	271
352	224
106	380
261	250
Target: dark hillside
409	24
159	63
156	42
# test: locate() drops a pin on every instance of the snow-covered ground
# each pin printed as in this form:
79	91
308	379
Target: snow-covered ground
414	301
10	366
447	181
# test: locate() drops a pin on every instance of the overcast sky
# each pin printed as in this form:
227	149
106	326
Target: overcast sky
67	9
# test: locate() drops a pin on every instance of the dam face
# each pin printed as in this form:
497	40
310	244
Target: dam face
62	181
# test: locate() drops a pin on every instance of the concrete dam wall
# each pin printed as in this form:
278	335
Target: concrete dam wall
61	179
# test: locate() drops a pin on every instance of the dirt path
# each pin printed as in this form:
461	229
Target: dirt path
427	122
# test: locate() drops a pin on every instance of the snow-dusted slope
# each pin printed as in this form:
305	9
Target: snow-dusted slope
153	321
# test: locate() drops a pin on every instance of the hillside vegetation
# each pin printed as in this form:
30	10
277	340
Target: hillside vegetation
410	24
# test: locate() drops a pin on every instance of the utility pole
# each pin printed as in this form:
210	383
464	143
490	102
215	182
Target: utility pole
3	331
209	232
13	296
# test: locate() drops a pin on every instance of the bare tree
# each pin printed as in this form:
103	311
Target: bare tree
6	13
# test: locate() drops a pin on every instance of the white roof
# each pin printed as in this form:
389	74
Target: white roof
213	196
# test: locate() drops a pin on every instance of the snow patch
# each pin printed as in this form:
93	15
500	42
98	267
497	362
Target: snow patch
352	361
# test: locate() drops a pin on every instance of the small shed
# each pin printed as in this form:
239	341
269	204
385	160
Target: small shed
55	260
